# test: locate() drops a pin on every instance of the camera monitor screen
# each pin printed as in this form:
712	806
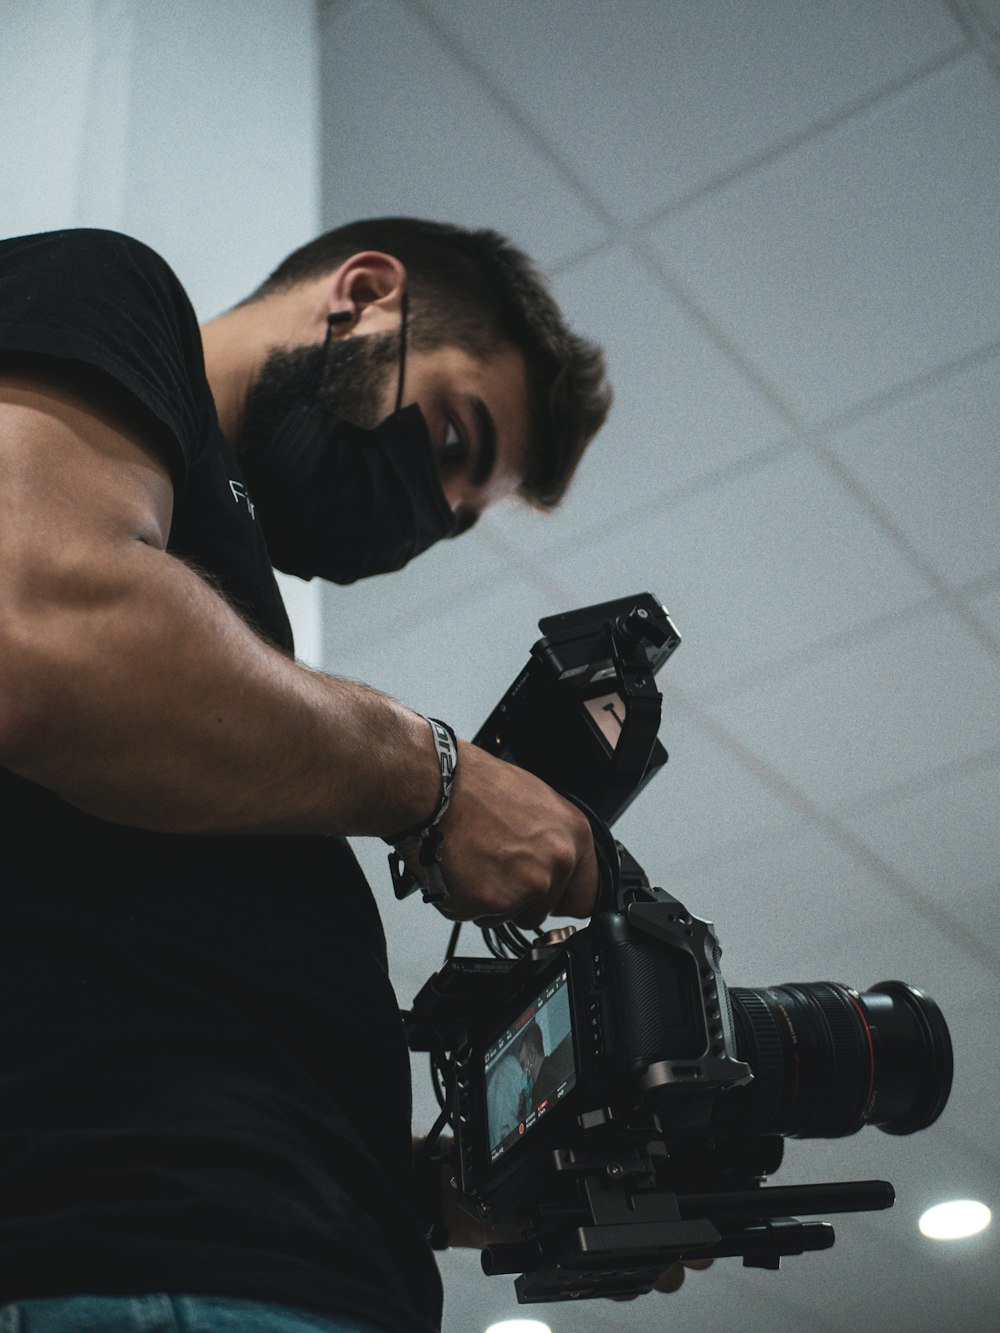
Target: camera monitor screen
529	1068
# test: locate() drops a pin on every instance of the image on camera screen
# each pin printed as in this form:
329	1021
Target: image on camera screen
529	1068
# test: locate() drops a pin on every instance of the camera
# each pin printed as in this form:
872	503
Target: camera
611	1095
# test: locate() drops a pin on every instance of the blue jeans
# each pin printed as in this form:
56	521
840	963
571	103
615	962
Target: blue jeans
169	1314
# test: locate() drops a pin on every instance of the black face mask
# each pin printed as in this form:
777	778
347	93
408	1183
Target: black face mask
342	502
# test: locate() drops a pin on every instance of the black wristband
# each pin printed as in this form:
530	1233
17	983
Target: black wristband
446	746
427	835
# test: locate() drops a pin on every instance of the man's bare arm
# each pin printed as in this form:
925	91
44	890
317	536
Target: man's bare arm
133	690
129	686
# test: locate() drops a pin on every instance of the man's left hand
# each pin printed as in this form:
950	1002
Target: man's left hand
465	1232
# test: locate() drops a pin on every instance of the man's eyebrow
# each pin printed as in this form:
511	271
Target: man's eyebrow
486	442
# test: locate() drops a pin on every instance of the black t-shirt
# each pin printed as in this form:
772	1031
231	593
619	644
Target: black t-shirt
204	1085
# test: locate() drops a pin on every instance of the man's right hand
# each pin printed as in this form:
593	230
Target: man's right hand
512	848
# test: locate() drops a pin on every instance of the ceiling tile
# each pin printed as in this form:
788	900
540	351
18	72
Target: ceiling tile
799	906
989	10
865	258
945	839
646	101
987	605
933	461
705	803
912	697
457	662
777	558
682	410
373	610
956	1157
880	1263
408	130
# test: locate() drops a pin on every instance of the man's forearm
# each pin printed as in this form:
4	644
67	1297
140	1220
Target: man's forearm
130	688
141	697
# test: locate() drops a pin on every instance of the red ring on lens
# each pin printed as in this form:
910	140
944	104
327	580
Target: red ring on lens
870	1096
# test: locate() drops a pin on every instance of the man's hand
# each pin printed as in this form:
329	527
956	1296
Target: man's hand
512	848
672	1278
464	1232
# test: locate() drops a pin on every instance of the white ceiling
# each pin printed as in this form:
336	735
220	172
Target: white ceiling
781	220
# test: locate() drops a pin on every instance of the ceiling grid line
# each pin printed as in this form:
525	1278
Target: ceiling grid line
965	766
458	52
899	393
977	32
740	467
812	654
984	583
656	503
785	790
827	823
636	243
880	516
849	842
774	671
455	48
815	439
749	166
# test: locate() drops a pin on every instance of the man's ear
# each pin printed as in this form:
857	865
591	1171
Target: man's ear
369	286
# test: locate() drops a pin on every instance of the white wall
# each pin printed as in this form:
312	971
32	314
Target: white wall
192	126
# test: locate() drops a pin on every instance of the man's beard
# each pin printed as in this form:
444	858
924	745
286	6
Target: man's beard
354	373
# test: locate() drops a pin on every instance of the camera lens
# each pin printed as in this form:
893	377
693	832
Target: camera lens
827	1059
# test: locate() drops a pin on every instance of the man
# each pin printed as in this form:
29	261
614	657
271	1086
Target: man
505	1088
181	992
190	961
545	1073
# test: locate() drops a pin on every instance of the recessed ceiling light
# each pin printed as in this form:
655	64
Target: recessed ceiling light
952	1221
519	1326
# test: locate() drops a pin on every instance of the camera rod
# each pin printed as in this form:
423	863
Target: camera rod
847	1196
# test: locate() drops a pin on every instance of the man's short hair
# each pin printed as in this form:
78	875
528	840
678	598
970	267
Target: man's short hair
475	290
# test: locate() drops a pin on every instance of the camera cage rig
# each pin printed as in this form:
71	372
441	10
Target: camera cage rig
627	1173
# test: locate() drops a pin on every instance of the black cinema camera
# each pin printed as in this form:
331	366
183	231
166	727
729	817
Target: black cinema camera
610	1094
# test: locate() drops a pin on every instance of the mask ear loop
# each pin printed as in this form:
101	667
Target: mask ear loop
343	316
335	317
403	315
